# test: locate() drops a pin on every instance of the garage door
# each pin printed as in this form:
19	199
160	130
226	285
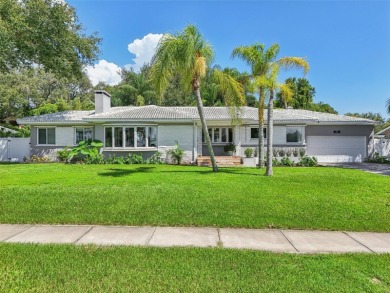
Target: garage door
337	149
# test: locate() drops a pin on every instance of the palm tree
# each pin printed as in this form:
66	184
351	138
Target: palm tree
263	63
188	55
388	105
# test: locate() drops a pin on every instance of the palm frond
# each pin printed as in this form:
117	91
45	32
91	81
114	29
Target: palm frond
388	106
294	63
286	93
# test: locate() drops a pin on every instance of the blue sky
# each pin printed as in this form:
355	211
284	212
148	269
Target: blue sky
347	43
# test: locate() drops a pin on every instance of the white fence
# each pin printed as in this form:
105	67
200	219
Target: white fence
381	146
14	149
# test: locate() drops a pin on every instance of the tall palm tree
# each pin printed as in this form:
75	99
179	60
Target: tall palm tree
263	62
188	54
388	106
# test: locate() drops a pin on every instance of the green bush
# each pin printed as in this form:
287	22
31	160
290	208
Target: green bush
176	153
86	151
63	154
302	151
248	152
155	159
286	161
308	161
230	147
376	158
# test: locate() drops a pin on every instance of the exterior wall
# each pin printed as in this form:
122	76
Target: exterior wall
65	136
183	134
345	130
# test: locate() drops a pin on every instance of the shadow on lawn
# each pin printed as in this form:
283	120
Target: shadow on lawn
210	172
114	172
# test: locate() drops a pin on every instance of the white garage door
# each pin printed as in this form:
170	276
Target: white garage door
337	149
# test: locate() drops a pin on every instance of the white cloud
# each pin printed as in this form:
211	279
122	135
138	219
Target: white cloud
143	50
104	71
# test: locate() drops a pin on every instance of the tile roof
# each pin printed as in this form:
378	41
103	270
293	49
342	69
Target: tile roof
59	117
143	113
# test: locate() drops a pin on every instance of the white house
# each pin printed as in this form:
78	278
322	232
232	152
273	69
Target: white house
148	129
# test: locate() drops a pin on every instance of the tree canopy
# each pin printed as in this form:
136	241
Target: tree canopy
46	33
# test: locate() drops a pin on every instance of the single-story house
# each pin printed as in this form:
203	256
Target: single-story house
148	129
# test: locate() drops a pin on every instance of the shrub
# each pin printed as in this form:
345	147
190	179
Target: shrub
155	159
286	161
176	153
282	152
230	147
63	154
248	152
295	152
36	159
113	159
275	152
376	158
256	152
308	161
275	162
135	159
289	153
85	151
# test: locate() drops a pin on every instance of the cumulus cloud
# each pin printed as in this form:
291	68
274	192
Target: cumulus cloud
104	71
143	50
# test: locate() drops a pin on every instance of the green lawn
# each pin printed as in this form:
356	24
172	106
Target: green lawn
60	268
298	198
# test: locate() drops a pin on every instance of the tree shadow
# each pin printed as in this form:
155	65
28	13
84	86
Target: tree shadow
116	172
222	170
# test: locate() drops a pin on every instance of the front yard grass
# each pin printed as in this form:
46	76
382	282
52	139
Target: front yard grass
295	198
69	268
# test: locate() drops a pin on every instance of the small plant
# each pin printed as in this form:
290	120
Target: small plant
230	147
289	153
376	158
155	159
63	154
286	161
295	152
248	152
177	153
282	152
275	152
85	149
308	161
256	152
136	159
113	159
302	152
36	159
275	162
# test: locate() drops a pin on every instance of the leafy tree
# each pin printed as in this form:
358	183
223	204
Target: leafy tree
134	89
369	115
264	63
188	55
44	32
388	105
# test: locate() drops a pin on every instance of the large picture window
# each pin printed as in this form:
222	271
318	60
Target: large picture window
47	136
83	134
220	134
130	137
294	134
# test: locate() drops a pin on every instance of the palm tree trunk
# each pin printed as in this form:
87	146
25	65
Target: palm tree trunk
270	134
205	129
261	128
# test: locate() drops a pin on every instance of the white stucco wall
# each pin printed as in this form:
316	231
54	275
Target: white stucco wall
64	136
183	134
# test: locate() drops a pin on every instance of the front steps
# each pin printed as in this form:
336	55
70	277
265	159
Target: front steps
222	161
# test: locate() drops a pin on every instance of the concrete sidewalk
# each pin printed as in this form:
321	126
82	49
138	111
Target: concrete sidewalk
293	241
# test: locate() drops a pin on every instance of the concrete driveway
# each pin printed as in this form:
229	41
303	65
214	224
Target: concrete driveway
383	169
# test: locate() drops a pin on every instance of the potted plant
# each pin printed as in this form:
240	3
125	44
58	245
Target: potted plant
249	161
230	148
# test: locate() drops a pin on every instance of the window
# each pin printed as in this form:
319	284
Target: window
108	137
152	138
129	132
294	134
130	137
255	132
118	137
46	136
220	134
83	134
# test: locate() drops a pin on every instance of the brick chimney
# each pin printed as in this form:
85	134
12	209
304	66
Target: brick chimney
102	102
